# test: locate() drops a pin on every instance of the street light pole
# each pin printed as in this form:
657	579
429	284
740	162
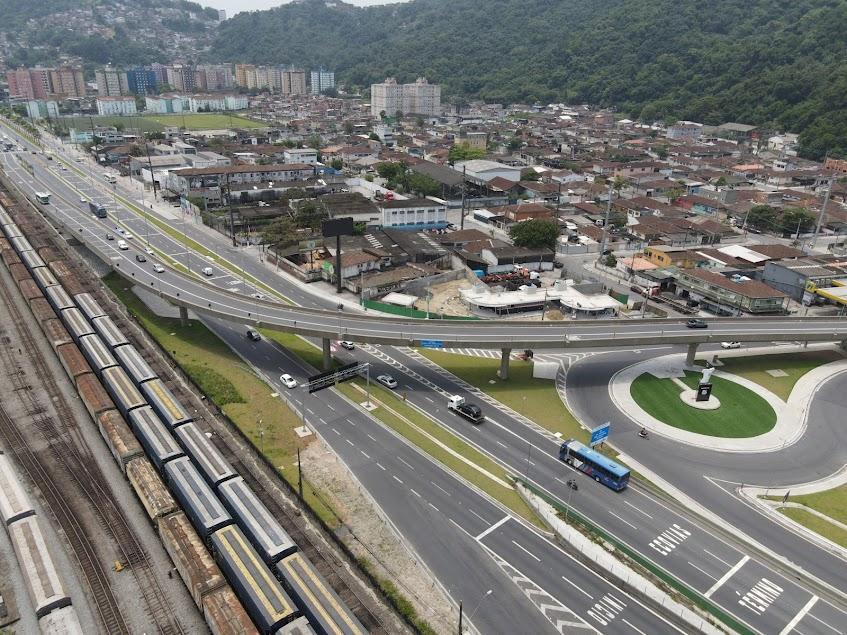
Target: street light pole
476	608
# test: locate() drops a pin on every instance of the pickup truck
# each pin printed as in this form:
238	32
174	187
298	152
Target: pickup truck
469	411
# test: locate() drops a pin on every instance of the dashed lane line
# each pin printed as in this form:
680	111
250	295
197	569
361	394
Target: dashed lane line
638	510
526	551
583	591
626	522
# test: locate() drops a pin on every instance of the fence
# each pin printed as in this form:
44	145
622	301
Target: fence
384	307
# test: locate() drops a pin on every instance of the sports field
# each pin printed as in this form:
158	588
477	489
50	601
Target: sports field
157	123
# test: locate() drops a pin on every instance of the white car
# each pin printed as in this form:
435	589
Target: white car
128	236
348	345
388	381
288	381
208	271
158	268
730	344
83	200
122	245
149	251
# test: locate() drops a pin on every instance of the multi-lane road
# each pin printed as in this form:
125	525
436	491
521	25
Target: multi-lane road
738	580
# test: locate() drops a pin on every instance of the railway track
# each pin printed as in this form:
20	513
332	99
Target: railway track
70	451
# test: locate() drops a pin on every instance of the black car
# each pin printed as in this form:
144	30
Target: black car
253	335
109	237
696	323
141	257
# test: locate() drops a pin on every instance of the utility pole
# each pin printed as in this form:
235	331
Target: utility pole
464	188
606	223
820	217
229	205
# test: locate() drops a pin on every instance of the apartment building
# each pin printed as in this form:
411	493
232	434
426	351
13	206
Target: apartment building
30	83
116	106
420	98
110	83
40	109
68	81
321	80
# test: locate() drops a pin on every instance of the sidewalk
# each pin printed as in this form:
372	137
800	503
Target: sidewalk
791	415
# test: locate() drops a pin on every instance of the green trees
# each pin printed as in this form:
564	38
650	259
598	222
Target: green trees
535	233
463	152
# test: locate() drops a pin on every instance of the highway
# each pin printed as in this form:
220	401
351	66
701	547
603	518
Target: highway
637	518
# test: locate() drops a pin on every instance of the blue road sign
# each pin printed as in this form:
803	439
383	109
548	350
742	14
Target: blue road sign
600	433
432	344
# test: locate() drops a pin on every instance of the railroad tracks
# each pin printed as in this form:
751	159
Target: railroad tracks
72	458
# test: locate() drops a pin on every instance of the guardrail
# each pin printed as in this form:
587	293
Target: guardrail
677	585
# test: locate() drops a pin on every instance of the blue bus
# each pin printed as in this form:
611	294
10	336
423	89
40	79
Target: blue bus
601	468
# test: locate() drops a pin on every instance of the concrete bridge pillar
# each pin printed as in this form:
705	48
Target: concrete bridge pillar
505	353
327	353
183	316
692	351
843	345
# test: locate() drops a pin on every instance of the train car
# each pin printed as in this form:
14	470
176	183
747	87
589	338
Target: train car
20	244
122	390
158	442
72	360
300	626
88	305
191	559
41	309
110	333
39	572
225	615
97	353
261	528
56	333
150	489
5	219
48	254
31	259
327	613
170	411
11	230
30	290
120	439
66	277
4	244
94	396
19	272
197	499
44	277
63	621
212	465
10	257
59	299
259	591
134	364
14	503
76	323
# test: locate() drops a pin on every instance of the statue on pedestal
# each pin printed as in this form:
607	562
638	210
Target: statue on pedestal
707	375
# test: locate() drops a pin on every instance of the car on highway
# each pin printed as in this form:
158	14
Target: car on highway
253	336
696	323
128	236
83	200
730	345
110	237
208	271
148	251
259	296
122	245
288	381
141	257
158	268
387	380
348	345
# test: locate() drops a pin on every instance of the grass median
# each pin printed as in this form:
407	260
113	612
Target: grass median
831	503
239	393
742	412
536	399
794	365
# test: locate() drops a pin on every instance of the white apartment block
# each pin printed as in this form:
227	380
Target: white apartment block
321	80
420	98
293	81
116	106
109	82
40	109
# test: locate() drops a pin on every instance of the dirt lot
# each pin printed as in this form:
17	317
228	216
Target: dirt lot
445	298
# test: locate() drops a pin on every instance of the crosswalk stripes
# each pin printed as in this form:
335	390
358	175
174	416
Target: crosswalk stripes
561	617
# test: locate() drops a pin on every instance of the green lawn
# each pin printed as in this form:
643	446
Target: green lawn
157	123
242	396
536	399
742	413
794	364
818	525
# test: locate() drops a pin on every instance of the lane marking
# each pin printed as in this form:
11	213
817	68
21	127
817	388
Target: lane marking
716	558
397	479
701	570
626	522
825	624
526	551
336	431
628	623
365	454
491	528
726	576
350	442
379	465
414	492
477	515
503	445
441	488
434	507
573	584
322	420
371	437
636	509
405	463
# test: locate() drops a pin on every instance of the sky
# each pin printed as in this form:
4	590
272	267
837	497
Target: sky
234	6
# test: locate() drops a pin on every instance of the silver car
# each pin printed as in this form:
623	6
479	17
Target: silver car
387	380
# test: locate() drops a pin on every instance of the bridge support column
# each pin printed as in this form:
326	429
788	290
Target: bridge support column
843	345
692	351
183	316
505	353
327	353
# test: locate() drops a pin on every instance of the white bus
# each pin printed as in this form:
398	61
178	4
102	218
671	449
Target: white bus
43	197
110	178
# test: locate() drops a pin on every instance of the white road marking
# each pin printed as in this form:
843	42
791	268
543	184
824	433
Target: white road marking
477	515
397	479
623	521
492	527
330	407
429	399
825	624
414	492
628	623
351	422
526	551
716	558
371	437
761	596
336	431
441	488
322	420
365	454
379	465
434	507
405	463
350	442
796	619
577	588
701	570
726	576
503	445
635	508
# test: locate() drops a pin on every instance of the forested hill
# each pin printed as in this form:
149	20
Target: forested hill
752	61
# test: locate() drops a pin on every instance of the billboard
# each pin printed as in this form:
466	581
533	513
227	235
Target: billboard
337	227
